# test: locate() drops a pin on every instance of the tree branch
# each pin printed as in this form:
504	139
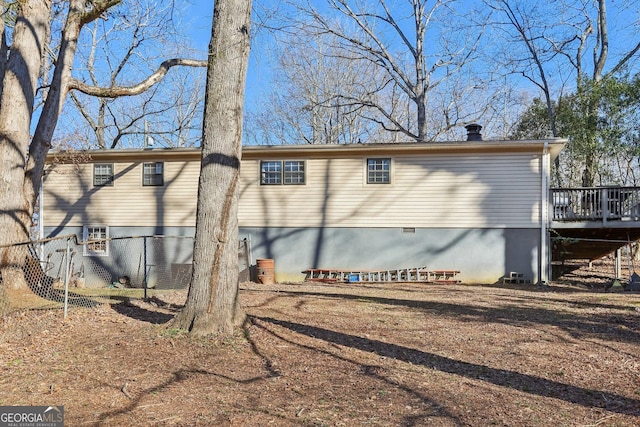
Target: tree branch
99	7
623	61
117	91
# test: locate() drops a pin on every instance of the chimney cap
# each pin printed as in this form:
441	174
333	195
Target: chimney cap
473	132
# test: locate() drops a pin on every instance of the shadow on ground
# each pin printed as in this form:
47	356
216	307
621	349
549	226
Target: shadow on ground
505	378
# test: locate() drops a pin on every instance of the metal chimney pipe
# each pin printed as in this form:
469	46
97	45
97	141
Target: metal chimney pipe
473	132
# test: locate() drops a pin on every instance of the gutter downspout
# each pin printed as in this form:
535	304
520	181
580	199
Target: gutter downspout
544	216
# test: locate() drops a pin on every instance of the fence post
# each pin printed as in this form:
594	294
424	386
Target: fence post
144	280
66	277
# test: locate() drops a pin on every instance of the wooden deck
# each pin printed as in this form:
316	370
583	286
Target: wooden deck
589	223
595	204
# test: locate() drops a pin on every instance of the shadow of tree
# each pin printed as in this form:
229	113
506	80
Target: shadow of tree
505	378
376	372
608	326
58	295
142	314
177	376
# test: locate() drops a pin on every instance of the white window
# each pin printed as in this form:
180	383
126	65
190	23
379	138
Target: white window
152	174
271	173
277	172
293	173
96	237
378	171
102	174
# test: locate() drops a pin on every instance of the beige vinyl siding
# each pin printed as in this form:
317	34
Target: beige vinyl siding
431	188
71	199
438	190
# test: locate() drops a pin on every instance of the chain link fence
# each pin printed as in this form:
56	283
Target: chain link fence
64	272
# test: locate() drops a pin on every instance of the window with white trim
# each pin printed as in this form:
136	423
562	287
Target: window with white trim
102	174
282	172
153	174
378	171
96	237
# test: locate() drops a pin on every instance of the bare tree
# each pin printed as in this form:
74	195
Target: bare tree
524	22
417	47
113	51
565	38
302	107
212	303
22	154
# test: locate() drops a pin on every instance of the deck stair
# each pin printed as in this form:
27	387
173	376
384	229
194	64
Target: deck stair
418	274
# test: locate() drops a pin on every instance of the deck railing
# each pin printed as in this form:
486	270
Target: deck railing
595	204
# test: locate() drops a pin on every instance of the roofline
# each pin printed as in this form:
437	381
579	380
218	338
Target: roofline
554	147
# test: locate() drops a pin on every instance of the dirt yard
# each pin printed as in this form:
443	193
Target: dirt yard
340	355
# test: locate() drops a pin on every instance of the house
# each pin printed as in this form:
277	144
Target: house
479	207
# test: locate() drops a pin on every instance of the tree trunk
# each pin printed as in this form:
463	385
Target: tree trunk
587	173
16	107
212	304
22	156
58	89
4	52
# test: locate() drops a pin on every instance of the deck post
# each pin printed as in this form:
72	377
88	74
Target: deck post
604	200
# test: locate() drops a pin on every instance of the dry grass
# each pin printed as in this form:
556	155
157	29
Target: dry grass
339	355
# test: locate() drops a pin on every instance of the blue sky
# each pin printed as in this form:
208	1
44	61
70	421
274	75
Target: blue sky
200	14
